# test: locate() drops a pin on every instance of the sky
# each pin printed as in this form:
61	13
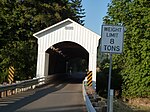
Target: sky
95	10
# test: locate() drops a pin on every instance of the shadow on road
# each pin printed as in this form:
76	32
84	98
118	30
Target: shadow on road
37	94
22	99
15	102
69	108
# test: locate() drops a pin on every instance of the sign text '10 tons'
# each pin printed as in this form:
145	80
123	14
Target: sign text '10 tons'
112	39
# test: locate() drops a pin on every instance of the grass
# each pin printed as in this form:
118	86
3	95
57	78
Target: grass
120	106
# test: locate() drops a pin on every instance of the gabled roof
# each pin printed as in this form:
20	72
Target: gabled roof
59	25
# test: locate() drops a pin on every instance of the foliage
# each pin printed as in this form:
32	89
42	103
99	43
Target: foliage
103	74
102	81
134	63
19	19
21	55
78	12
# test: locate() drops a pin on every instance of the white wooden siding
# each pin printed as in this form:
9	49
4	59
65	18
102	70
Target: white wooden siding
67	30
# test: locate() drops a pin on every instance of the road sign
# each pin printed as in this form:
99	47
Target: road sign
112	39
11	74
89	78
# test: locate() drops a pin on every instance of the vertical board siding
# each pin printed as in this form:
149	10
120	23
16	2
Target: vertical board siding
78	35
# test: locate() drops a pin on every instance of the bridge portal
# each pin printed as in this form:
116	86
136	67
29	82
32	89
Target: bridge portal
64	43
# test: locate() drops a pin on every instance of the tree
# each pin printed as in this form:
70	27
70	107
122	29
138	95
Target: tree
134	63
77	10
19	19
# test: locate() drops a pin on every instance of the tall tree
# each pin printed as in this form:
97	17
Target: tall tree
19	19
77	10
135	61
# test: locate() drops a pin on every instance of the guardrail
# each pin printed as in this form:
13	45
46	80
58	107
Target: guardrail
94	103
6	90
88	103
21	84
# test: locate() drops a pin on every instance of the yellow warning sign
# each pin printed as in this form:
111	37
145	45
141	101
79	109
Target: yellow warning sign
89	78
11	74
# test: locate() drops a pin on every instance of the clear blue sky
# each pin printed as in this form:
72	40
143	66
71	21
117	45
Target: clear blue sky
95	11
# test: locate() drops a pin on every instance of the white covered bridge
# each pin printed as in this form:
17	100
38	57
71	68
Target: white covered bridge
62	42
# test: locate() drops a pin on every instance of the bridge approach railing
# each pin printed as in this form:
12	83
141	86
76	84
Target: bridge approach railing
9	89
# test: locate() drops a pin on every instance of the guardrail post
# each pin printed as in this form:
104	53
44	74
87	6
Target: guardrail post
3	94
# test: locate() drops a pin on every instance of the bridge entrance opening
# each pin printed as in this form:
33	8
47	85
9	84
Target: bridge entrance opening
68	57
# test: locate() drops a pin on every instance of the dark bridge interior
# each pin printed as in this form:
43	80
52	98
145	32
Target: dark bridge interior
66	57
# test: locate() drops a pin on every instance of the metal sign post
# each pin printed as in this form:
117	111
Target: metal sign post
109	84
111	42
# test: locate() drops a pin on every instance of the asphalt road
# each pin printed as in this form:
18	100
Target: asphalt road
63	96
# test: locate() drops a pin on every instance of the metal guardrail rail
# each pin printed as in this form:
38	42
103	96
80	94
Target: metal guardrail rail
24	85
88	103
21	84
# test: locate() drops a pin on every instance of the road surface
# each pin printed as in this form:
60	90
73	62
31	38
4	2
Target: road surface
57	97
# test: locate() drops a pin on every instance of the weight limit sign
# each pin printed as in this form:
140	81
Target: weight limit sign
112	39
